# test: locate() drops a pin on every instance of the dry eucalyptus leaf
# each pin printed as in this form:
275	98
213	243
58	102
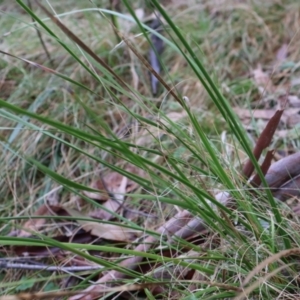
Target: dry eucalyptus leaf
283	170
262	143
245	113
289	116
262	80
97	184
34	225
102	214
288	190
176	116
114	183
282	53
295	81
109	231
294	101
105	231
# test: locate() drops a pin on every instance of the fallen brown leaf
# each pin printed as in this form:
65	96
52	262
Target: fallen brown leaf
282	53
263	142
111	205
114	183
34	225
289	189
294	101
288	116
262	80
105	231
97	184
256	181
283	170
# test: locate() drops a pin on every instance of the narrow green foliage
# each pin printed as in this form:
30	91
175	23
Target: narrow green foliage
108	139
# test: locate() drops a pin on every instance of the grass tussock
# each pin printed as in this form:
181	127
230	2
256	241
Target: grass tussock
150	188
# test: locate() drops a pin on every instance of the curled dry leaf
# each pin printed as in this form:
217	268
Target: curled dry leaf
98	184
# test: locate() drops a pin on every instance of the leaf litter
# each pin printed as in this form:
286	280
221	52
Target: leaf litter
184	225
275	86
114	188
105	231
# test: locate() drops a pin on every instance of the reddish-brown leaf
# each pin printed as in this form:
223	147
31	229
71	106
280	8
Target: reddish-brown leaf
256	181
263	142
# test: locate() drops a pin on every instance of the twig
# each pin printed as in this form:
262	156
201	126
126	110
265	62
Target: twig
4	264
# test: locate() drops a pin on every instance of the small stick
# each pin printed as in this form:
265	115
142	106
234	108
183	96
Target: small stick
23	266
